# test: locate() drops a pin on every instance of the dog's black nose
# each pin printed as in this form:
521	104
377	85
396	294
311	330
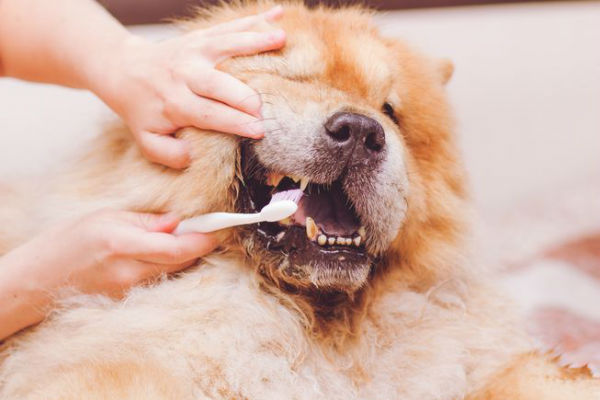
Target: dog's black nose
347	129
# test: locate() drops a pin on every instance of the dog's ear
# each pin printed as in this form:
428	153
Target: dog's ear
445	69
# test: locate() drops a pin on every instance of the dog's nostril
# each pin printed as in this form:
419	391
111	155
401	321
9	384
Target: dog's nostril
347	128
375	140
341	134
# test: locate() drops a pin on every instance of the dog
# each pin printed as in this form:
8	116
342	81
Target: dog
367	292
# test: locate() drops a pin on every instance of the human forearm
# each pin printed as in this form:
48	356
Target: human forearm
21	303
65	42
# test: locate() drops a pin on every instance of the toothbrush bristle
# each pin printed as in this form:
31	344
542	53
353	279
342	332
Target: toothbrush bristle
294	195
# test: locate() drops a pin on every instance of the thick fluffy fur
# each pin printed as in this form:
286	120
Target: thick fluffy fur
426	325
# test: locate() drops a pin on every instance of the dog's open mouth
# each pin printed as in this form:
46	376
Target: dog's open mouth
323	210
324	226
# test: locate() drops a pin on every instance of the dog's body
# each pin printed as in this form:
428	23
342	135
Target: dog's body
215	333
403	317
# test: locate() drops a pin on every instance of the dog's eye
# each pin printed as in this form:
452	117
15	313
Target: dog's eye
388	110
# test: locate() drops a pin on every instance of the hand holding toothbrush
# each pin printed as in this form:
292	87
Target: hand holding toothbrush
106	252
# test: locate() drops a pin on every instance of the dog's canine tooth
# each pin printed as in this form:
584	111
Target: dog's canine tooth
362	232
331	240
295	178
286	221
303	183
322	240
280	236
273	179
311	229
340	240
357	241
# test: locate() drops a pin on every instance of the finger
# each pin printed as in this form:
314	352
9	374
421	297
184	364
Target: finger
135	272
245	23
245	43
163	248
165	150
220	86
237	25
149	271
274	13
165	223
171	268
211	115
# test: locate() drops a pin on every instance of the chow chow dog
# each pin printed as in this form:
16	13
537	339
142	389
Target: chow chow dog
367	292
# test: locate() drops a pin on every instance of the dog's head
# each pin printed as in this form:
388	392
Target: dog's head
359	124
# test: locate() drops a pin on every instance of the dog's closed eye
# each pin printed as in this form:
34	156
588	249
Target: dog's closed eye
388	110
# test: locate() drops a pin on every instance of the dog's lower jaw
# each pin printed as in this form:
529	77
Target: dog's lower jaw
330	307
311	277
332	279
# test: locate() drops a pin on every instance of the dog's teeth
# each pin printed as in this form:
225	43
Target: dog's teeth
322	240
311	229
331	240
356	241
294	178
273	179
340	240
303	183
280	236
362	232
348	241
286	221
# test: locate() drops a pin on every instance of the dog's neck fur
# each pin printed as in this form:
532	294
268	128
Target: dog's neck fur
331	317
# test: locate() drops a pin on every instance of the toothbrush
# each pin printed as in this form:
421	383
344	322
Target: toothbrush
279	208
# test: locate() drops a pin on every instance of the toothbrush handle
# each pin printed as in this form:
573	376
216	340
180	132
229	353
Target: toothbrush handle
214	221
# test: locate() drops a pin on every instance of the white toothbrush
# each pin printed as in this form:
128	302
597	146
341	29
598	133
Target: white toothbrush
275	211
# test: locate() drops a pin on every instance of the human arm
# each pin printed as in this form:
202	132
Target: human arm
156	88
105	252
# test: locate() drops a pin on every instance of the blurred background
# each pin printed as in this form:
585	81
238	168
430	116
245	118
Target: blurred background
526	92
152	11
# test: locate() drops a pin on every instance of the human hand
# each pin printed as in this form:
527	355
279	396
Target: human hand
158	88
106	252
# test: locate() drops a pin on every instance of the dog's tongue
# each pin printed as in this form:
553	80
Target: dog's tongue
327	208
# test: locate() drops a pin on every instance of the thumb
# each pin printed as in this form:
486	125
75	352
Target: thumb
164	149
157	222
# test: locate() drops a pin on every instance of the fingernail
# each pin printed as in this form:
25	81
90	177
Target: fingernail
186	156
165	223
257	133
252	105
256	130
276	35
258	109
273	12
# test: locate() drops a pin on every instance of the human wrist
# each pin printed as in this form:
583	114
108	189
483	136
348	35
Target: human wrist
107	77
22	302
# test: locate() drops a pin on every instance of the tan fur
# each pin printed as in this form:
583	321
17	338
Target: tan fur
426	325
